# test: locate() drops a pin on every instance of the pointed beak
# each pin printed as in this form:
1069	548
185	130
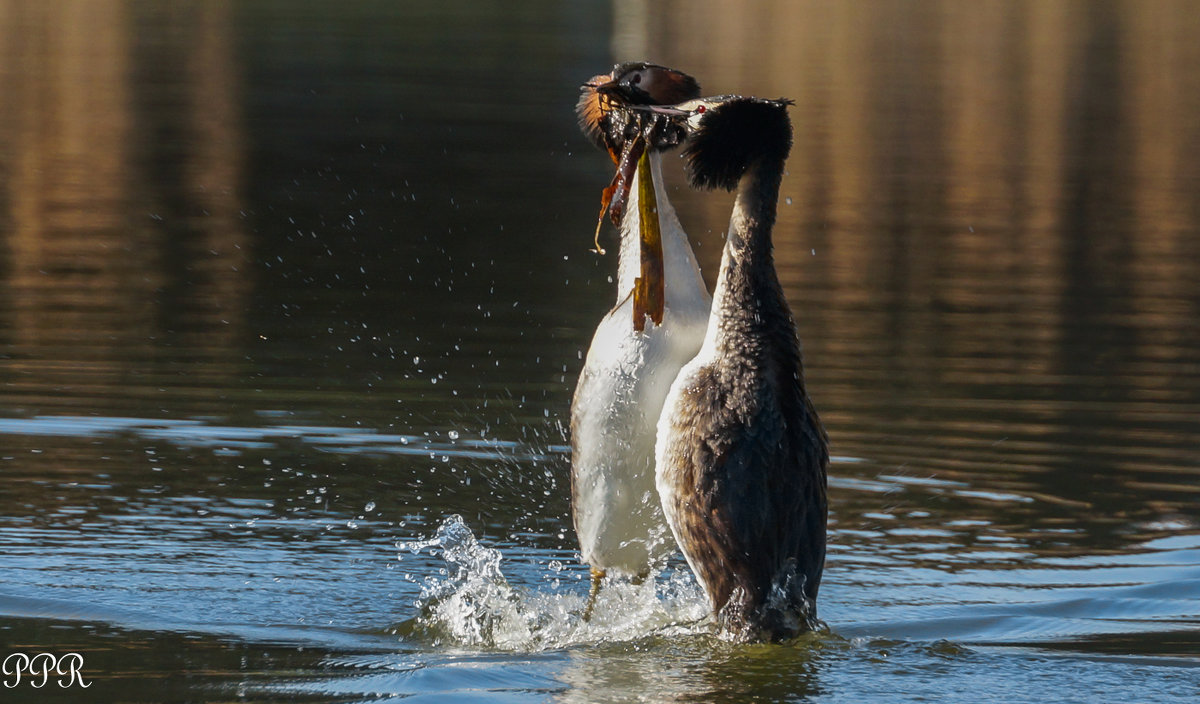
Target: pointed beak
668	110
601	84
623	92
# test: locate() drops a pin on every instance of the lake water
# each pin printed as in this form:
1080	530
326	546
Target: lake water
293	298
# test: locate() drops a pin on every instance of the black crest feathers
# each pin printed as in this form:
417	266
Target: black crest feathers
733	133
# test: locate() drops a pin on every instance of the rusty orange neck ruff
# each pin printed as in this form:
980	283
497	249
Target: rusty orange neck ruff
649	289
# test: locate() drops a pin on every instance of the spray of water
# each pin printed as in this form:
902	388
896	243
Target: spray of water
474	605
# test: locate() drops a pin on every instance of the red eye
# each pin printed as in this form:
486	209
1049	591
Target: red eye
700	109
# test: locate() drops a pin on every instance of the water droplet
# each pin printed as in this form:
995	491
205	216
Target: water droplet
453	434
370	506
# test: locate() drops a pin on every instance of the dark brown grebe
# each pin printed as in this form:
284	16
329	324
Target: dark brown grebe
741	453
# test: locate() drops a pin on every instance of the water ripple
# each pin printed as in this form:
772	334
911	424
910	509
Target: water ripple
230	439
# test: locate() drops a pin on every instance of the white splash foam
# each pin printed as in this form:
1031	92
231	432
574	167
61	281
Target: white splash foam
474	605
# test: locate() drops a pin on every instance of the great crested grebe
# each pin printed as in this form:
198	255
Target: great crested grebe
741	454
632	362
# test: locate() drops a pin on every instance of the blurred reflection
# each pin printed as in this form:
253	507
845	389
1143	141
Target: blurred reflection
122	233
696	670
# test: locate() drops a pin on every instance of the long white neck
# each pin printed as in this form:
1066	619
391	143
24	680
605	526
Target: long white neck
680	270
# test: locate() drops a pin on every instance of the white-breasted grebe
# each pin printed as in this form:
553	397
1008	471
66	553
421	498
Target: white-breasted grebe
657	325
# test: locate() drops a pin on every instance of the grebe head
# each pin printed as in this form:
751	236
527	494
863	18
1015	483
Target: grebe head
602	112
727	134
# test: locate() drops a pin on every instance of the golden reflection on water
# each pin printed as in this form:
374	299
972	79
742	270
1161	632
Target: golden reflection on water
989	230
98	244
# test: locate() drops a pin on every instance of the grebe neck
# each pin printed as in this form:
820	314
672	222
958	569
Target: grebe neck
749	297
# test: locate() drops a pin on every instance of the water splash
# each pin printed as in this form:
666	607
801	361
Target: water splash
473	604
